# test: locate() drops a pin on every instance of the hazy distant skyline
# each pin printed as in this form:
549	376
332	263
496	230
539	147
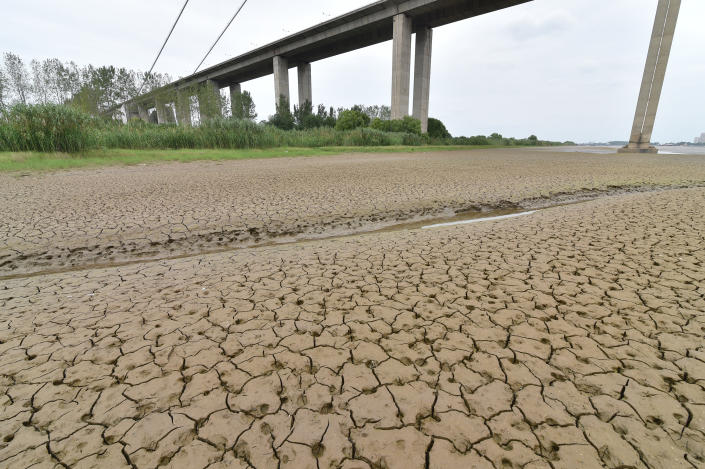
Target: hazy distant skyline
560	70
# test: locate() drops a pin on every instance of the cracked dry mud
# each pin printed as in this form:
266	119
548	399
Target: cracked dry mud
73	218
569	338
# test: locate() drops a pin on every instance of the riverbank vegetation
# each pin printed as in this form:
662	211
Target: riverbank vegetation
62	108
59	128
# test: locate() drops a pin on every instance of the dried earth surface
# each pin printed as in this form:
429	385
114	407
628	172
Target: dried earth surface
571	337
57	221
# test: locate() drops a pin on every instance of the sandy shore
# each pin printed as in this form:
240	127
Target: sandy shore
569	338
107	216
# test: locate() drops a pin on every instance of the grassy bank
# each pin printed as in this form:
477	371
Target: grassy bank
51	128
52	137
48	128
35	161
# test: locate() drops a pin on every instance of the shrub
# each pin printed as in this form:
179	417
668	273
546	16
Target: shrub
408	125
479	140
436	129
381	125
351	119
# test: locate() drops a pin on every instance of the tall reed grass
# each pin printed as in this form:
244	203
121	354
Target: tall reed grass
231	133
53	128
45	128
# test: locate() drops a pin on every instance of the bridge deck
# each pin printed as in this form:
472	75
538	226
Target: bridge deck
360	28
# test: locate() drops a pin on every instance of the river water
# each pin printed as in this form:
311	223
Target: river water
606	150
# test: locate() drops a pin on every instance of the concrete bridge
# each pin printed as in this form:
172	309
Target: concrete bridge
378	22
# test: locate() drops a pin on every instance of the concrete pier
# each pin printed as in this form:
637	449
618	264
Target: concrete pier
305	86
162	111
143	112
654	75
209	104
183	108
422	76
235	98
401	66
281	78
131	112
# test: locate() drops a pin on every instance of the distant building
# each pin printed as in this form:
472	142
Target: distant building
701	139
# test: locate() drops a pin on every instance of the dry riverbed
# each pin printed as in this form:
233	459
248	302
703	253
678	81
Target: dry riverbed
570	337
57	221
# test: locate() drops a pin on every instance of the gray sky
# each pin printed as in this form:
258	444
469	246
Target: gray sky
562	69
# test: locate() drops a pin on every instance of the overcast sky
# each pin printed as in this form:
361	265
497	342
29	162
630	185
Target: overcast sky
561	69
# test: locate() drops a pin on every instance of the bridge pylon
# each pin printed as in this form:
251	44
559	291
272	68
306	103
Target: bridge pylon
654	75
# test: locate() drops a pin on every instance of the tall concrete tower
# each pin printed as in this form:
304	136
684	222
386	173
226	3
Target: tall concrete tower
654	74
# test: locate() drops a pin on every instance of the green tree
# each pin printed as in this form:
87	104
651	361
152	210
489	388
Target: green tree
152	81
97	92
283	118
436	129
381	125
17	78
92	89
375	112
40	85
329	118
51	72
352	119
124	85
410	125
3	90
305	118
68	81
244	106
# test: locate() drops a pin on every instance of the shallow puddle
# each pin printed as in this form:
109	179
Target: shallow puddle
451	218
478	220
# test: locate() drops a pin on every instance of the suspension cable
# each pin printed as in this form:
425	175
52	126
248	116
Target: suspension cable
221	35
144	82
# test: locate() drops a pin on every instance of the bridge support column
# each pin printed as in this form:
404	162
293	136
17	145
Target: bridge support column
236	100
162	110
654	75
131	112
143	112
422	76
172	113
401	66
183	108
209	105
281	79
305	86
